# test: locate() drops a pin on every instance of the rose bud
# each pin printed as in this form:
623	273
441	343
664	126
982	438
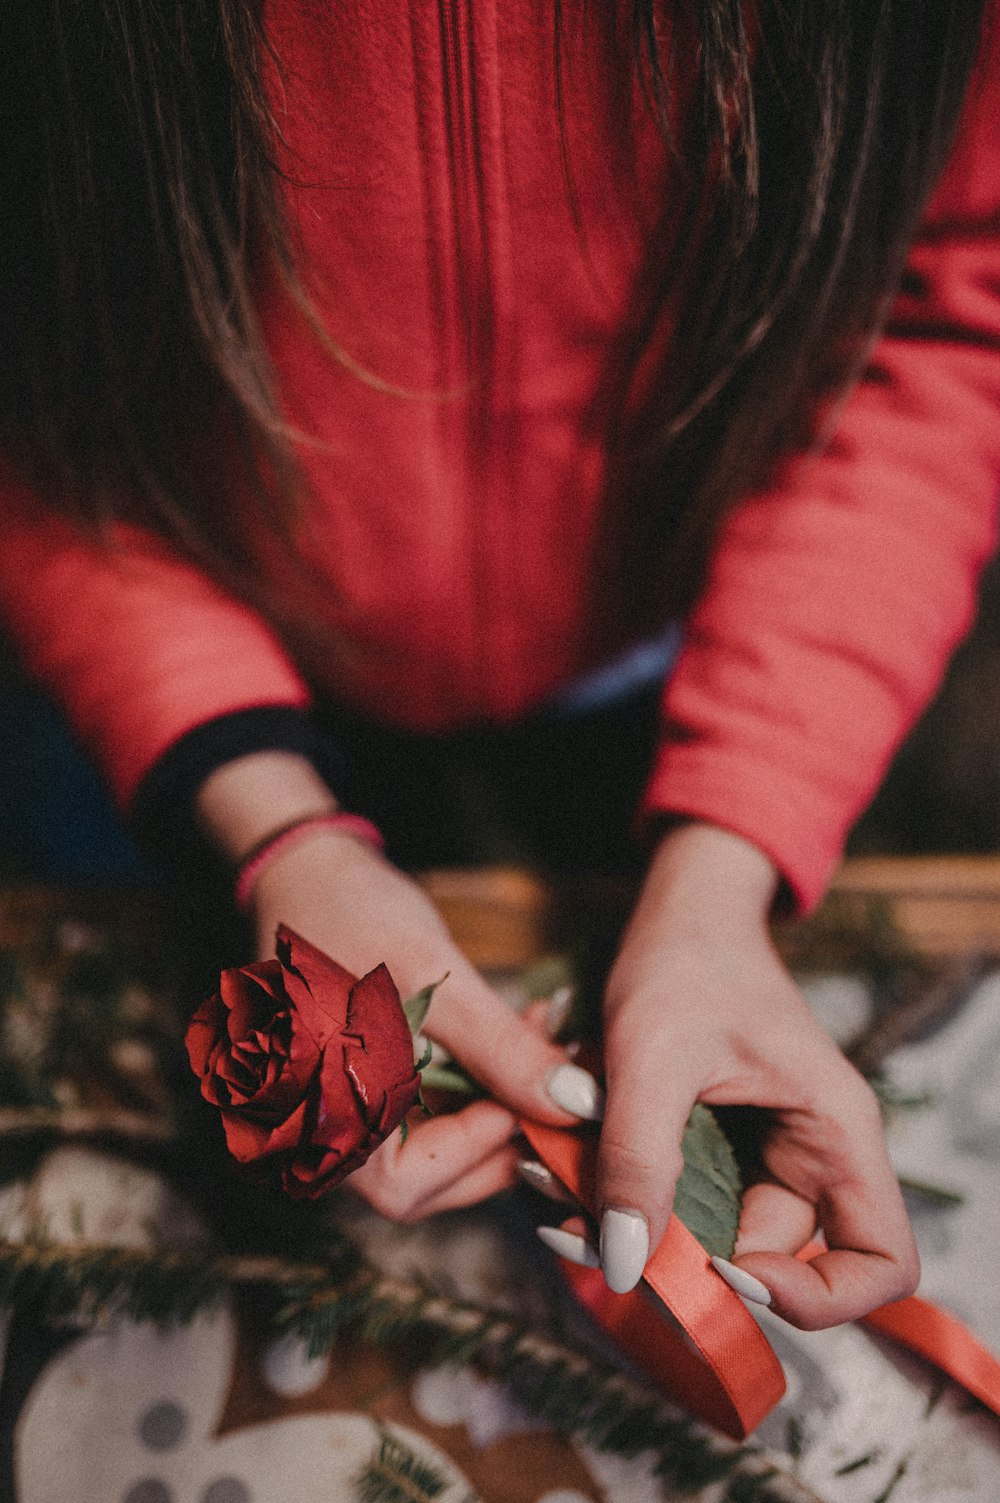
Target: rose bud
310	1068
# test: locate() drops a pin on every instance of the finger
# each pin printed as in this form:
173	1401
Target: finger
639	1161
834	1287
540	1178
871	1257
536	1016
774	1219
494	1174
514	1062
400	1178
572	1241
548	1014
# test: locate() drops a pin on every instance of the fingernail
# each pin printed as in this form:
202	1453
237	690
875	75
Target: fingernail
557	1011
539	1178
569	1246
576	1091
624	1249
744	1283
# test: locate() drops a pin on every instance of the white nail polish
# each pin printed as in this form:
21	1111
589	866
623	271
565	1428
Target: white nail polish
624	1249
558	1008
744	1283
576	1091
569	1246
539	1178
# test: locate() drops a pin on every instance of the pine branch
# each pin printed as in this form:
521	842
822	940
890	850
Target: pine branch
576	1393
396	1474
558	1384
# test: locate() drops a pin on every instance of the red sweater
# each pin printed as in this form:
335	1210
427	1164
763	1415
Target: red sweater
458	565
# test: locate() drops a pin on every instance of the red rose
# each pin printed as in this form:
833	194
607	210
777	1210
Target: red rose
311	1068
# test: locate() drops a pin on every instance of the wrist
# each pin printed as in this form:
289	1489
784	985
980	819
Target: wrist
286	840
245	801
703	880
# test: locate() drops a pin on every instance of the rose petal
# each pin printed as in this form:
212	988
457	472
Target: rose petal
260	975
317	985
375	1014
253	1141
306	1179
304	1051
338	1102
282	1093
246	1140
399	1100
309	1180
309	1112
243	1085
291	1132
216	1091
275	1074
202	1034
251	1007
378	1047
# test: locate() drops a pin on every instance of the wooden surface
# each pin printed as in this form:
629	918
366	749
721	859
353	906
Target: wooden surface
940	906
29	914
505	917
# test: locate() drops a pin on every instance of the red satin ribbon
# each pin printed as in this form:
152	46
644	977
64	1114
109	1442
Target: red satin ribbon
708	1353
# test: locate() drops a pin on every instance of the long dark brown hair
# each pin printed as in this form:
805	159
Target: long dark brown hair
140	202
821	127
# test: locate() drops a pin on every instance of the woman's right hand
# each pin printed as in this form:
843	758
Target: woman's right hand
341	894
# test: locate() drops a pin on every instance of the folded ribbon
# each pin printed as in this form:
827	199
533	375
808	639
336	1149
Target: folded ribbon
707	1351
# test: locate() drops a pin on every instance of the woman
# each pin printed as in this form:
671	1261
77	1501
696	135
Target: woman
427	358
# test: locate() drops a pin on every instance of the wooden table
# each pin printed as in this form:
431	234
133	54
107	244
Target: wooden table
506	917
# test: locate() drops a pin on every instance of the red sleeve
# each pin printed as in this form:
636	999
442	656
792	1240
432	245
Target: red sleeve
836	598
137	646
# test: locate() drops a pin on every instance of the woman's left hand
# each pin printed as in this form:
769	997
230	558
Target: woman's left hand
700	1008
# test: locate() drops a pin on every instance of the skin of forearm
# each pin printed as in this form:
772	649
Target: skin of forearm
702	877
242	802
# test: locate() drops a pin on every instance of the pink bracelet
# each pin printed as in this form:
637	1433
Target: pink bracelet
289	835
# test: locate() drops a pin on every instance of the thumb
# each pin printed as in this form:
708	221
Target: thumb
639	1163
515	1063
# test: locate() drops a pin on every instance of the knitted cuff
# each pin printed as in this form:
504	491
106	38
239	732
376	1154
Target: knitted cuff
162	813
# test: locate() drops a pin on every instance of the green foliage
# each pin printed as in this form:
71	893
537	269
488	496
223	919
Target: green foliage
449	1078
443	1077
931	1194
69	1026
396	1474
416	1007
709	1189
82	1022
547	976
566	1388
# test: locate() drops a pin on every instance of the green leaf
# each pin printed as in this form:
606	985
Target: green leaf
936	1195
449	1078
415	1007
709	1189
546	976
396	1474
